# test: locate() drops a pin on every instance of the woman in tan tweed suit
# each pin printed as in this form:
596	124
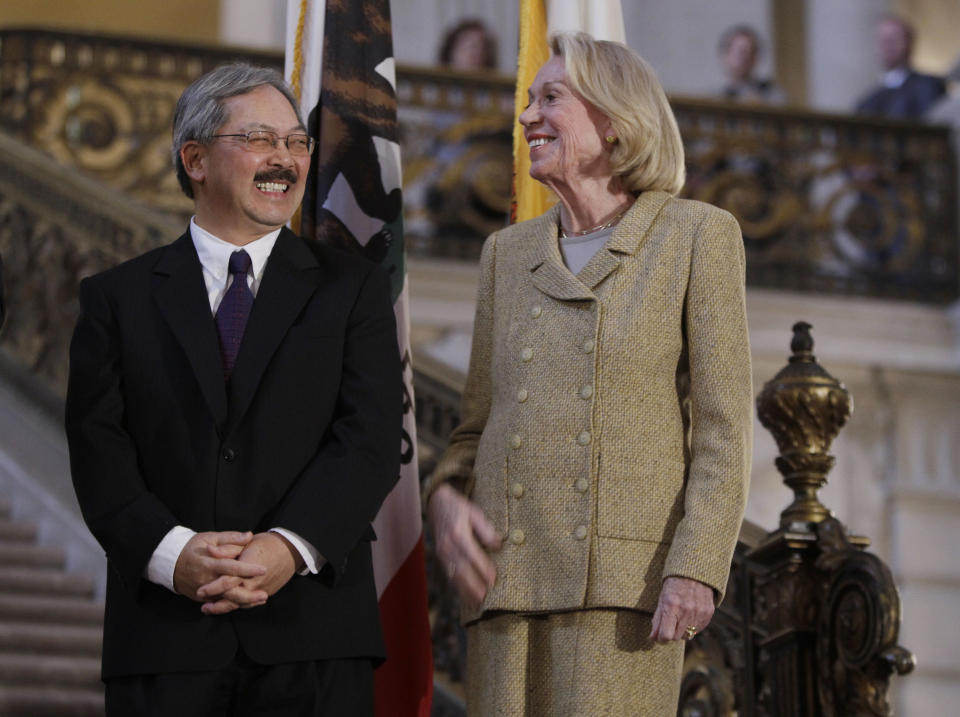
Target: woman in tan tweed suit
589	503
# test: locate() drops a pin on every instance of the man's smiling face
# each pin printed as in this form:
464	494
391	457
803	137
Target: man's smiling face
242	194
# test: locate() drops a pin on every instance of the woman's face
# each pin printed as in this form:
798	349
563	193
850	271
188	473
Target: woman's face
565	133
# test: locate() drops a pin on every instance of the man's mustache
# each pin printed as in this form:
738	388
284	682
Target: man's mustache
276	175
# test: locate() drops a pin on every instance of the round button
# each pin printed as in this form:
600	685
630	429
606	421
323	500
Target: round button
586	392
522	395
587	346
581	485
536	311
581	532
516	536
516	441
229	455
516	490
526	354
584	438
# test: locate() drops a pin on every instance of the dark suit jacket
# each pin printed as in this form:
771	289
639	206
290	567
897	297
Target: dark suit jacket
307	439
911	99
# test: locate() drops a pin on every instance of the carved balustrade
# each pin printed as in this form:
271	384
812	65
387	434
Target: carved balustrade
827	203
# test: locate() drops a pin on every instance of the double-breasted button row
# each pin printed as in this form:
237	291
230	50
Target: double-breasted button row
516	440
516	490
584	438
522	395
580	533
526	353
536	311
517	536
587	346
581	485
586	392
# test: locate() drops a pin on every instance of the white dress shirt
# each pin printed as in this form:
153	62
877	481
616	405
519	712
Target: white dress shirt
214	257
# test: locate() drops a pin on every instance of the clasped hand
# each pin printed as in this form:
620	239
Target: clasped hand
229	570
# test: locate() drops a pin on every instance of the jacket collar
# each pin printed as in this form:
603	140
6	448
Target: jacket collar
180	293
551	275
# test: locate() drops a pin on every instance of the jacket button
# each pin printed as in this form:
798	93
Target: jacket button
536	311
581	532
587	346
516	490
522	395
526	354
516	441
584	438
229	455
581	485
586	392
517	537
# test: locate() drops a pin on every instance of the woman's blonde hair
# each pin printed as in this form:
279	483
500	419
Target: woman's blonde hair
613	78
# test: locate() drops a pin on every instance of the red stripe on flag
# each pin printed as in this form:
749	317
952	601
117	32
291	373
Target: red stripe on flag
404	688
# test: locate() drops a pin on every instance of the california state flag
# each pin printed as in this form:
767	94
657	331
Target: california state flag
538	19
340	63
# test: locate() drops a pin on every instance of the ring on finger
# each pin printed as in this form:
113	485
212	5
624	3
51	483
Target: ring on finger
690	632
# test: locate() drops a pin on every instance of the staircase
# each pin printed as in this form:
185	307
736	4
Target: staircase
50	630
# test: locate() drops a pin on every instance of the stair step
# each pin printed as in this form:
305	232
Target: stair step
17	530
50	670
50	702
37	638
44	581
41	556
36	608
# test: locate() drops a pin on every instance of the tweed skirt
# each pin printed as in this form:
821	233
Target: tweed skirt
586	663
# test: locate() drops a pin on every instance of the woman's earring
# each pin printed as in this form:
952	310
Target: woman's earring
611	139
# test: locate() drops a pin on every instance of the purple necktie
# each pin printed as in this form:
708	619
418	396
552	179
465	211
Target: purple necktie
234	311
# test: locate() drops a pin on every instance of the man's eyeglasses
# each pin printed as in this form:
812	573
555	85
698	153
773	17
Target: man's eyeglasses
263	140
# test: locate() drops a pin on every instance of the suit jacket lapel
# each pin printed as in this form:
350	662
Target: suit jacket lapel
548	272
181	295
628	236
284	290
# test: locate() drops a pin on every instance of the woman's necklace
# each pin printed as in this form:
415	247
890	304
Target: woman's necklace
564	234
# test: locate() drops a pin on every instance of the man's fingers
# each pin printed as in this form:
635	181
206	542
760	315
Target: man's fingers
218	586
237	568
227	551
245	596
234	537
219	607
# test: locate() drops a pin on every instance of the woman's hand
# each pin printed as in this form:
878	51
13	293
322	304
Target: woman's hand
683	603
463	535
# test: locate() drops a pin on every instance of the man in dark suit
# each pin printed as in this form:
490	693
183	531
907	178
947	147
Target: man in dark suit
233	415
903	93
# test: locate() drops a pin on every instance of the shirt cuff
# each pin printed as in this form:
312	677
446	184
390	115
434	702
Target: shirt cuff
164	559
312	560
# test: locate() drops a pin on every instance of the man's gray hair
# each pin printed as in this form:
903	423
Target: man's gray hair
200	111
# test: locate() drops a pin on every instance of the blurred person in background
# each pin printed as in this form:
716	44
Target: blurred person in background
902	93
738	50
469	46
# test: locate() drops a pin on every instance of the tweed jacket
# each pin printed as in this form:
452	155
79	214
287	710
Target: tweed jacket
606	421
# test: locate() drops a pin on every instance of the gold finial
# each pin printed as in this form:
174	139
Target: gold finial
804	408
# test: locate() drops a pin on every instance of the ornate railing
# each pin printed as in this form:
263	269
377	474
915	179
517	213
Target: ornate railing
55	228
828	203
810	620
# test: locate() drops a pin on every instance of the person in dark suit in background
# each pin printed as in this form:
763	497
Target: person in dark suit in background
902	93
233	415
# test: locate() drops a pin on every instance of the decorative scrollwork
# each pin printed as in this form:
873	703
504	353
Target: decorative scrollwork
857	634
